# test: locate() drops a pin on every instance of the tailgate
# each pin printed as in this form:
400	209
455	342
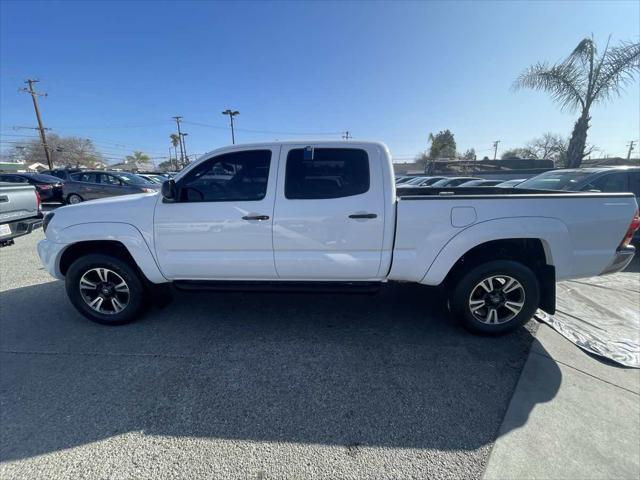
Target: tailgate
17	202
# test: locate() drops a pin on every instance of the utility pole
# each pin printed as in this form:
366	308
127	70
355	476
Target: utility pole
495	149
43	138
231	113
631	148
346	135
177	119
184	143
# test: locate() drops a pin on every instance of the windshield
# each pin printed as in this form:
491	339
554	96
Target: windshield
133	179
555	180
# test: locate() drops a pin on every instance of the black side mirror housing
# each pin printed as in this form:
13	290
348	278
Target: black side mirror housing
169	190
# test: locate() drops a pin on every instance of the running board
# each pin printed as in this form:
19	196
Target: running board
271	286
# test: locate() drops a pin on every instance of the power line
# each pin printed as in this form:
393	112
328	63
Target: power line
267	132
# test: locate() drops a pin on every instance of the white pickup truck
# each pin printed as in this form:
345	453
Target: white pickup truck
326	216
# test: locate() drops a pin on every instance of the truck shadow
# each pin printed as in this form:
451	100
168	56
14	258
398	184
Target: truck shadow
375	370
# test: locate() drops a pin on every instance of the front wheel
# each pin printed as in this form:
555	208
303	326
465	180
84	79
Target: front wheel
105	289
496	297
74	199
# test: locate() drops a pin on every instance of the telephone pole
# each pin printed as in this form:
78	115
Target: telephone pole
346	135
231	113
34	97
177	119
495	149
631	148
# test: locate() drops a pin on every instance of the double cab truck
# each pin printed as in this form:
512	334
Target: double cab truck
327	216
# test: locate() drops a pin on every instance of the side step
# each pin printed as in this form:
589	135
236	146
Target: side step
274	286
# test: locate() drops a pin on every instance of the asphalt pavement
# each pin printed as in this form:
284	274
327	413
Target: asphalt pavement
247	385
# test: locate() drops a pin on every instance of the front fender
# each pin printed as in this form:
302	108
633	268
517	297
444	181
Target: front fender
124	233
552	232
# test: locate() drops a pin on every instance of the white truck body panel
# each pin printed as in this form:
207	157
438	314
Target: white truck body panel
410	239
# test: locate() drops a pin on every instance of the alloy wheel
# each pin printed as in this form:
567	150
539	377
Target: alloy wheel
104	291
496	299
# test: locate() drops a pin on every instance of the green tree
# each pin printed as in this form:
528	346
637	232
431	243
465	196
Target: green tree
518	153
443	145
166	166
582	80
137	160
469	154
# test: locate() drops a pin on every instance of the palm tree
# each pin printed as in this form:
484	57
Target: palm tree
175	141
581	80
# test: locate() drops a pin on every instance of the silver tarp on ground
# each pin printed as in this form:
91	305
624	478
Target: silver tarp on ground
601	315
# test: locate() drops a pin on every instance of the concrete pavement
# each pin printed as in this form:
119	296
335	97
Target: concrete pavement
588	428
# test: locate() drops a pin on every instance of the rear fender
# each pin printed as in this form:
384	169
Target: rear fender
552	233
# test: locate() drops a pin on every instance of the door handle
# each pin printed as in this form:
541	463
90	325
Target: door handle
256	217
363	215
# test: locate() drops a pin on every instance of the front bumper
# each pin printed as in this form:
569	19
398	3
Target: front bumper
49	253
622	258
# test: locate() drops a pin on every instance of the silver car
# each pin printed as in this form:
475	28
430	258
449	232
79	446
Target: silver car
89	185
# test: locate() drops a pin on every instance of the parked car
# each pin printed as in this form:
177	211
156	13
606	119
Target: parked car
327	216
90	185
413	181
480	183
20	211
49	187
511	183
152	177
62	173
422	182
452	181
595	179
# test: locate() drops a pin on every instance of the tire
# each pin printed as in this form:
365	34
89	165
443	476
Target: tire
513	303
74	199
108	274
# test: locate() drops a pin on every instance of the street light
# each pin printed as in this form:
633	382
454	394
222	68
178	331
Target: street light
231	113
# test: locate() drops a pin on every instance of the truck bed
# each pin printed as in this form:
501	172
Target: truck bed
579	232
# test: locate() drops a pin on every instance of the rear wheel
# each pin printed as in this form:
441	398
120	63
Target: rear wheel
74	198
496	297
105	289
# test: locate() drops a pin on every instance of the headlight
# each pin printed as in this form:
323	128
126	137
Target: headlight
45	221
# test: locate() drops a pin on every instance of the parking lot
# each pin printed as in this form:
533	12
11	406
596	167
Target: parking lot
247	385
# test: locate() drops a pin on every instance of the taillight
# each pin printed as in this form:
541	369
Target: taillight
38	201
633	226
45	186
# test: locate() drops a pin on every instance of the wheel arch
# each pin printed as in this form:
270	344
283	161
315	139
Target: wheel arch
119	239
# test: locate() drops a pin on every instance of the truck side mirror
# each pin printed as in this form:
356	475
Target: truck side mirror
169	190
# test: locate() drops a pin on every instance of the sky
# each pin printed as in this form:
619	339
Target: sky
116	72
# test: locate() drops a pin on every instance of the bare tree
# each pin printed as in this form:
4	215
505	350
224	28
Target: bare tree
65	151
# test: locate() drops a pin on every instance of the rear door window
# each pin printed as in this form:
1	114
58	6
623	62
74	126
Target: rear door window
87	177
614	182
332	173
